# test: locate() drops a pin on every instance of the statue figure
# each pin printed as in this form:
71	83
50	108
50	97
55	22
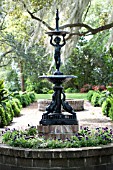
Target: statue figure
57	46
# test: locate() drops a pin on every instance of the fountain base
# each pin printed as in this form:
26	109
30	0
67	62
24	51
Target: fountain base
57	132
59	119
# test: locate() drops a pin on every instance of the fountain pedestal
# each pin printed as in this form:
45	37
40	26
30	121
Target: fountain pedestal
57	132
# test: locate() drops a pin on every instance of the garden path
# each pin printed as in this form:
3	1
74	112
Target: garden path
90	116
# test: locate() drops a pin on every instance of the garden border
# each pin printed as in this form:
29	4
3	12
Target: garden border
90	158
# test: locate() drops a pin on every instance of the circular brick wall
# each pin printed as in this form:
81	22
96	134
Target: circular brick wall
77	104
87	158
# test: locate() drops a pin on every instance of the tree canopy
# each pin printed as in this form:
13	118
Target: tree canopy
25	48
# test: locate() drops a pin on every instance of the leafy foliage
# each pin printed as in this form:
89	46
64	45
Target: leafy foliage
3	93
95	99
89	95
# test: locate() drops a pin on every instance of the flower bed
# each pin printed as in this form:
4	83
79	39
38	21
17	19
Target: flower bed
29	138
87	149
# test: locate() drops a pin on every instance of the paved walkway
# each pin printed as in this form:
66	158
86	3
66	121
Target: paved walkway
91	117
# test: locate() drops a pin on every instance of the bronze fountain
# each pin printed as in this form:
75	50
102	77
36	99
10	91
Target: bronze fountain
53	114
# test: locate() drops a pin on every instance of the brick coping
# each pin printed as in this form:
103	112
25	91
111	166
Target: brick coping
90	158
77	152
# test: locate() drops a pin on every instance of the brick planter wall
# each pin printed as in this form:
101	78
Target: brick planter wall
91	158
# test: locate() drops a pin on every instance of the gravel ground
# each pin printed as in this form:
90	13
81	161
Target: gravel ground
91	117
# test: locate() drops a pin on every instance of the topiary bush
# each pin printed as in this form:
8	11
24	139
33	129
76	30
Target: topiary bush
24	99
106	106
15	108
17	101
103	96
3	121
90	94
32	96
95	99
111	110
9	112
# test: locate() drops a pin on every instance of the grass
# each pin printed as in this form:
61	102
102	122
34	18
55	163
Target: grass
68	96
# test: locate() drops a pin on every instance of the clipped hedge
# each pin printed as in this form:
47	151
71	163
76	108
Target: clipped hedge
90	94
111	110
103	97
9	110
95	99
12	108
106	106
26	98
15	107
3	121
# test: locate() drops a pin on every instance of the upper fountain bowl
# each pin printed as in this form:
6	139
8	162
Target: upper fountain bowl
58	78
57	32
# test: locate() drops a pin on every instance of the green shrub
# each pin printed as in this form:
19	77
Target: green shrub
95	98
32	96
6	114
103	96
71	90
9	113
25	100
17	101
15	108
106	106
50	91
2	117
90	94
111	110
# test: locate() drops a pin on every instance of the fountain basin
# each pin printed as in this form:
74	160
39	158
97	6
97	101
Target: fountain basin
58	78
77	104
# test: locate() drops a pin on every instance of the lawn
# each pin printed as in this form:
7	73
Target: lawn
68	96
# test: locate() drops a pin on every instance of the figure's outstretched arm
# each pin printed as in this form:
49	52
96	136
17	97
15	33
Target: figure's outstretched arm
64	41
51	42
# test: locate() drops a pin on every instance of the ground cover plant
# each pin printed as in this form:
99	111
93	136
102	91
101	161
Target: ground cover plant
29	138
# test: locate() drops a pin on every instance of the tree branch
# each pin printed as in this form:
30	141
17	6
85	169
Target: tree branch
7	52
89	31
36	18
4	65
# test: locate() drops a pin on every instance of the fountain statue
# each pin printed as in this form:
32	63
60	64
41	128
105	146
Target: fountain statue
53	114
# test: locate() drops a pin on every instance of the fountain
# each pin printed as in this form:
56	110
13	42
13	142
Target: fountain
53	119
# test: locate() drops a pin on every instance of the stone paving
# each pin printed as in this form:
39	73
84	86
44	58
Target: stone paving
90	116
